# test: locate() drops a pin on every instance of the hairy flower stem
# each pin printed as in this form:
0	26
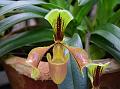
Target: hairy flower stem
87	41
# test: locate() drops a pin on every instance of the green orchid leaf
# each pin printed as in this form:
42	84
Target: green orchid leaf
9	6
12	20
105	10
74	40
16	5
106	45
22	39
4	3
61	3
107	37
115	18
110	37
83	2
53	15
34	9
50	6
95	55
79	12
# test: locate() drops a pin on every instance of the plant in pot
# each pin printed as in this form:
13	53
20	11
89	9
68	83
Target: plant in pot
94	31
24	37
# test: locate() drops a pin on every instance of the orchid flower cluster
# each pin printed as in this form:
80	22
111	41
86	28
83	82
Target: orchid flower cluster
59	19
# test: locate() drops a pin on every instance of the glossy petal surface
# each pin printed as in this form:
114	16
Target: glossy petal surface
79	55
57	64
36	55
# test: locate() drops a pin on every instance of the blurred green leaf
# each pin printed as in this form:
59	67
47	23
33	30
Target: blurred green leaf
74	79
10	21
111	33
25	38
115	18
106	45
105	10
76	40
83	2
34	9
10	6
69	1
108	38
80	12
61	3
4	3
110	28
15	5
96	52
71	28
50	6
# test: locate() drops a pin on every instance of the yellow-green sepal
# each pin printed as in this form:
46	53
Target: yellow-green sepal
92	67
52	16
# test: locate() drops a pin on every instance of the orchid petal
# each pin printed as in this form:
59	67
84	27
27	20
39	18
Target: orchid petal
20	65
79	55
36	55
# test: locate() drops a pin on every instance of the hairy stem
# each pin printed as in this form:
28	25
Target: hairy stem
87	41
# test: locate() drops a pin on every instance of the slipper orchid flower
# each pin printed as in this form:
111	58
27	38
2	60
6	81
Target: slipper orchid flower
59	19
95	72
